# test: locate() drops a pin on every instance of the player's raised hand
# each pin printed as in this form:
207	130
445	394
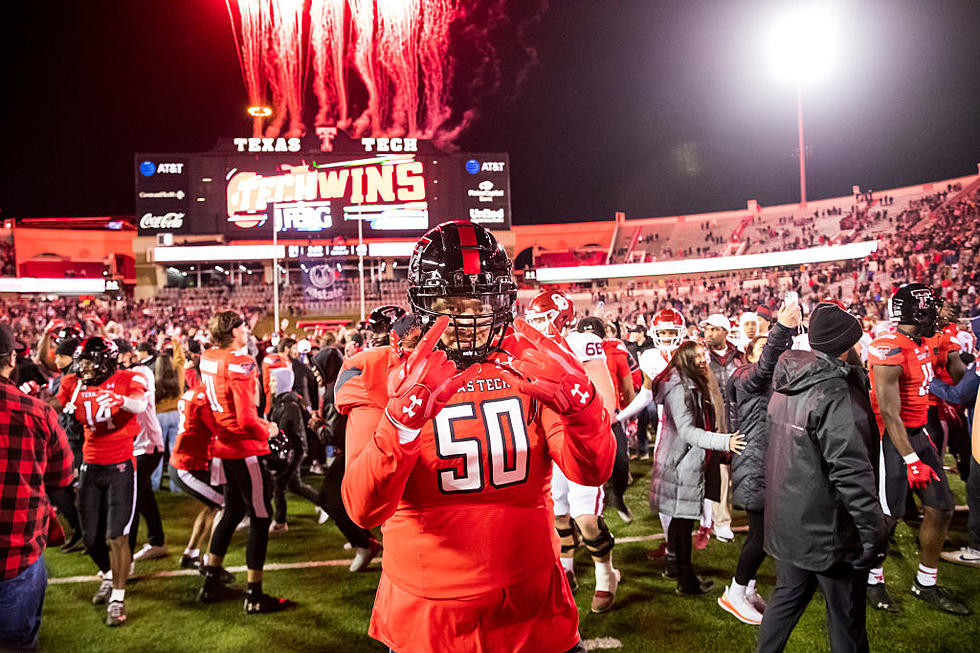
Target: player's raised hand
550	372
424	381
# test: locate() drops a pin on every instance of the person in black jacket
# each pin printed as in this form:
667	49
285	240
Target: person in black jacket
287	412
823	522
749	389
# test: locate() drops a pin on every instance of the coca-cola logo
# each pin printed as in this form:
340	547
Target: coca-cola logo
172	220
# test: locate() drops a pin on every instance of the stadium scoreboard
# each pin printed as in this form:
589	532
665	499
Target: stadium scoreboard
319	188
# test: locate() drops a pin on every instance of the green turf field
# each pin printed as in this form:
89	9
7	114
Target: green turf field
333	605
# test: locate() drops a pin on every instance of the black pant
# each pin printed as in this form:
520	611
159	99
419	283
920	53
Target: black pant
973	504
245	497
956	437
642	435
844	590
63	499
679	543
289	479
620	478
106	505
331	501
146	501
752	554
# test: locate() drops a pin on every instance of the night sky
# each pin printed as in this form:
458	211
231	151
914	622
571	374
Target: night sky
652	108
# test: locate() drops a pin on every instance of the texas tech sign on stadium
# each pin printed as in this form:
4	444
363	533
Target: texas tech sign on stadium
319	187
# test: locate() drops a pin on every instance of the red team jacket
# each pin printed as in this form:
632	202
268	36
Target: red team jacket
195	432
939	346
229	382
466	507
109	431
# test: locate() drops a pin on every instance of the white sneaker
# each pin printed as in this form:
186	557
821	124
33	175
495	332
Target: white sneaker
723	534
150	552
321	515
964	556
364	556
739	607
317	468
243	524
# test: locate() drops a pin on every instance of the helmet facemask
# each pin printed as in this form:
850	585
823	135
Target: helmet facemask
477	321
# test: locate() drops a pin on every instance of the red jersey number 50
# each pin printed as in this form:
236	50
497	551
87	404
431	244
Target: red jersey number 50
508	456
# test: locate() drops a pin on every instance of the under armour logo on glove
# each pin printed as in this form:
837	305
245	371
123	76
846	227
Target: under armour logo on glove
410	410
583	396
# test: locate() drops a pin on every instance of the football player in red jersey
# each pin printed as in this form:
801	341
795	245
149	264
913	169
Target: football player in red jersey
450	448
191	458
106	401
901	367
947	422
241	445
552	314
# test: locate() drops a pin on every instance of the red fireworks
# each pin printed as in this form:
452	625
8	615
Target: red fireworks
384	61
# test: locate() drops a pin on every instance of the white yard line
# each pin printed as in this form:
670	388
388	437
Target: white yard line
275	566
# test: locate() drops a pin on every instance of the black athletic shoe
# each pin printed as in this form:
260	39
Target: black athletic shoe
617	502
694	586
263	603
190	562
939	597
879	599
222	575
73	544
670	565
214	590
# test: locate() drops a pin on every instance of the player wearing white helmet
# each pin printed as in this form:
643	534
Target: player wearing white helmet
667	330
552	313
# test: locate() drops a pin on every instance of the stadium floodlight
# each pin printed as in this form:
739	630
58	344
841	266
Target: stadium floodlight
802	43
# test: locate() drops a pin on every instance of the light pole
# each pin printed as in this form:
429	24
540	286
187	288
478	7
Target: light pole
799	127
803	43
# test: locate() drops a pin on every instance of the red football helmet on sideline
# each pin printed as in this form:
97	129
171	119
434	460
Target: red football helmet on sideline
667	329
550	308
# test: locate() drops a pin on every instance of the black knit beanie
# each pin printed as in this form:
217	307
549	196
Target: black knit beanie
833	330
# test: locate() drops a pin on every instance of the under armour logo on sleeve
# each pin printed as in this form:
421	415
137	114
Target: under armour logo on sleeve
583	397
411	409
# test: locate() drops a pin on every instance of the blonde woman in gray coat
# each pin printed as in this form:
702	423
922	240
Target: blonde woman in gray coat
677	489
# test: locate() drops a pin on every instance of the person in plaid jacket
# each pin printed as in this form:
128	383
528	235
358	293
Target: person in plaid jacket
34	452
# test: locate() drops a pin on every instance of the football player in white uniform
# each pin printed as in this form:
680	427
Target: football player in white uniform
667	330
552	313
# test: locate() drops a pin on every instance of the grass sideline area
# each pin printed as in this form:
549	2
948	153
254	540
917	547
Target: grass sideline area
334	606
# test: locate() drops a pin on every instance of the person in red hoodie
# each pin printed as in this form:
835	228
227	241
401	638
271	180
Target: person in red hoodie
241	447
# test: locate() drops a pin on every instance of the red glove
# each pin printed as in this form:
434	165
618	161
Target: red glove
420	386
551	374
919	473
